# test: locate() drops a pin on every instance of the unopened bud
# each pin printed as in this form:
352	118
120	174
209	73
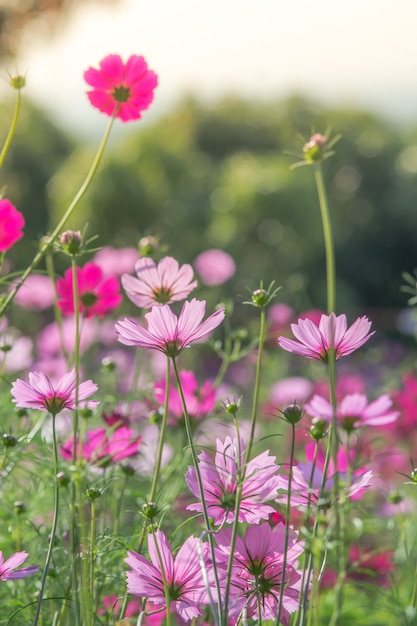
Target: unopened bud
18	81
71	241
318	429
148	246
93	493
293	413
150	510
314	148
9	441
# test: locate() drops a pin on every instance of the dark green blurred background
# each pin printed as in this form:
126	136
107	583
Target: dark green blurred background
220	176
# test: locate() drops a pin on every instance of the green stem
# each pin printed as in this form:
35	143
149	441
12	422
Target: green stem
12	129
328	238
220	618
257	387
49	240
161	442
287	525
54	526
92	542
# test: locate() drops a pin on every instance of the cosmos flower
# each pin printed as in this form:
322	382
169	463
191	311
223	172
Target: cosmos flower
97	295
354	411
332	334
215	267
168	333
258	571
11	224
121	89
308	486
220	478
7	567
41	394
164	283
199	401
183	575
102	448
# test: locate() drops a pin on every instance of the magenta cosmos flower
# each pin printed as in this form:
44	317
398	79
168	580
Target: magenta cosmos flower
200	401
332	334
220	478
258	571
11	224
41	394
215	267
168	333
354	411
158	284
7	567
97	295
183	575
121	89
102	447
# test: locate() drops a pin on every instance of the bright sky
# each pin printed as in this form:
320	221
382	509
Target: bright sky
361	52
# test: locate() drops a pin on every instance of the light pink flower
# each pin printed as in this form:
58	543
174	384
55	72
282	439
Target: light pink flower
11	224
102	447
121	89
258	571
7	567
215	267
41	394
199	401
116	261
168	333
220	478
97	295
354	411
36	293
183	575
331	334
308	485
164	283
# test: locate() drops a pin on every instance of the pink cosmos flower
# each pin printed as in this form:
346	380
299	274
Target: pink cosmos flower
102	447
215	267
331	334
183	575
97	295
41	394
36	293
164	283
11	224
168	333
220	479
116	261
199	402
258	571
7	567
307	484
354	411
121	89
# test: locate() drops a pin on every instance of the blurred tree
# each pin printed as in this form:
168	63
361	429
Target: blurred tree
219	176
15	15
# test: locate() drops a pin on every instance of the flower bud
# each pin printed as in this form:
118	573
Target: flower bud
71	241
108	364
9	441
150	510
232	406
148	246
19	507
260	297
318	429
293	413
18	81
314	148
63	479
414	475
93	493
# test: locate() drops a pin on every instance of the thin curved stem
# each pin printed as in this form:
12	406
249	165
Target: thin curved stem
54	526
49	240
12	129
